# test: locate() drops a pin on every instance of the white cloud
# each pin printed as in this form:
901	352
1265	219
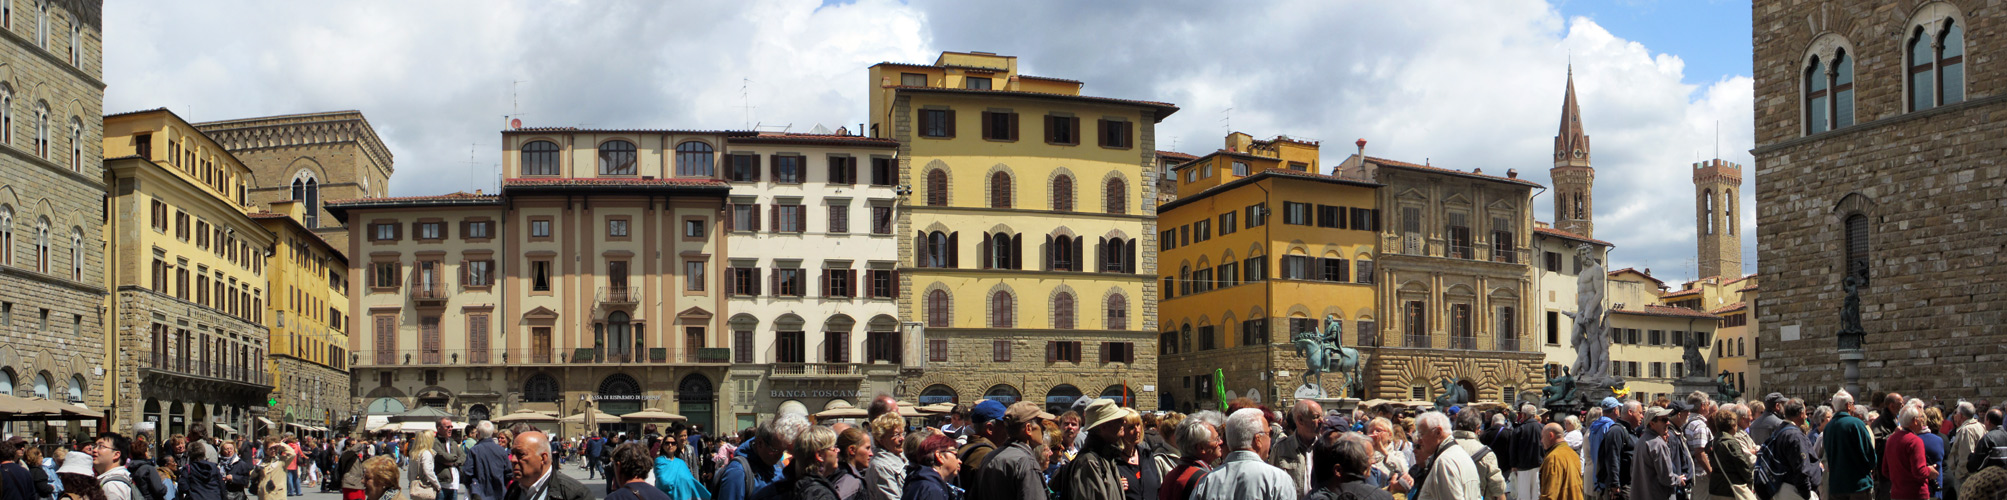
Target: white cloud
1459	84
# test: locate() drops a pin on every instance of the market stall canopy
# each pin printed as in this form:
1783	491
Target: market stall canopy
846	412
938	409
529	416
20	408
600	416
227	428
652	415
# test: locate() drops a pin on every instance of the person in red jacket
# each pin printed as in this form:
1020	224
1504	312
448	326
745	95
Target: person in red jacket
1903	463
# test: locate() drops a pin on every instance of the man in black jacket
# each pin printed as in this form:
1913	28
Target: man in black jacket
1794	451
537	477
1524	467
1613	455
1996	436
146	482
447	455
199	479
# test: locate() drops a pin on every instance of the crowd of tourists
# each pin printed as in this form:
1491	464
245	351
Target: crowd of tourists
1778	448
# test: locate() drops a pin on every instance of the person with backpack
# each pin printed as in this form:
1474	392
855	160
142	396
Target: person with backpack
758	463
1850	452
108	460
1656	472
1199	447
1614	453
985	432
1732	459
1491	477
146	481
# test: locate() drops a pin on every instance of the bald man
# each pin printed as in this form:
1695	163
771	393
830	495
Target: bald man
537	477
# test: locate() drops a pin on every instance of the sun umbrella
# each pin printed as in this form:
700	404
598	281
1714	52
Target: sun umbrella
846	412
530	416
601	417
938	408
651	415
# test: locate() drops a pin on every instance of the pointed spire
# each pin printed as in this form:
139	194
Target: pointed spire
1570	139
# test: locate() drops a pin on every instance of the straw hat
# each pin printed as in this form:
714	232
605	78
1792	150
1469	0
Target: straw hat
1105	410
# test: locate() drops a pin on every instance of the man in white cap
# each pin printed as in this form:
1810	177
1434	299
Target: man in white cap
1094	474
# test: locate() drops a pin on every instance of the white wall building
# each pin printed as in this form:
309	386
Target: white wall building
812	272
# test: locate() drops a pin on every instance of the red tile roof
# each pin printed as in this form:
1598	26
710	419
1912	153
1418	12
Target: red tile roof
1677	293
1667	311
460	196
1273	172
1401	164
1661	283
1166	107
1564	234
1176	155
815	139
1730	308
338	253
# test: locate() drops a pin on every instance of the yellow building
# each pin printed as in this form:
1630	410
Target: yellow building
1648	339
189	273
1735	344
308	320
1226	303
1050	196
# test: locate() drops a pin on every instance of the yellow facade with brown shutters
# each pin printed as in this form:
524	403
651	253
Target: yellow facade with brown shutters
1256	249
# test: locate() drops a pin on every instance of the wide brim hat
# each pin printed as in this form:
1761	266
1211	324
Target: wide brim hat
1105	410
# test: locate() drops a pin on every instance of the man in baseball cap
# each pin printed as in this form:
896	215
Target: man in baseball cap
984	433
1013	472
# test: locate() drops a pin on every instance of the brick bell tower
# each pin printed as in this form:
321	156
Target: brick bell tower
1574	179
1719	223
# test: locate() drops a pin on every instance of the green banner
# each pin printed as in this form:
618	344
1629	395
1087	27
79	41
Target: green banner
1219	388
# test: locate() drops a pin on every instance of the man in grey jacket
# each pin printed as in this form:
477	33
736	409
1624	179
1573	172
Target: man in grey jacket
1012	472
1769	421
447	455
1655	472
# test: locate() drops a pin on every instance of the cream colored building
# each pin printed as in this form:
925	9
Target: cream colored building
1028	246
591	281
189	267
813	275
1648	339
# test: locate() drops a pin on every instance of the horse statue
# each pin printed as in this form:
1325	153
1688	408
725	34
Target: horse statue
1323	352
1453	395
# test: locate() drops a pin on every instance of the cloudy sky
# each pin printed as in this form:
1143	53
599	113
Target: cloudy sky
1456	83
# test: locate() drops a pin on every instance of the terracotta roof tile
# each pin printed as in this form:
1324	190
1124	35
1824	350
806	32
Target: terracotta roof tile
460	196
544	130
1661	283
1668	311
1730	308
1564	234
815	139
1273	172
1679	293
1401	164
1176	155
607	182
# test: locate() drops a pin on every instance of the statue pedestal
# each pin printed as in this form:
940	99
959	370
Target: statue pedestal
1338	406
1690	383
1850	366
1309	391
1593	388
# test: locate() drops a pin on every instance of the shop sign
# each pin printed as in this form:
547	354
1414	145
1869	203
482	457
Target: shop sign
624	397
816	393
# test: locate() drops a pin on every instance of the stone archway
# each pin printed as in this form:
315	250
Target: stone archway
696	400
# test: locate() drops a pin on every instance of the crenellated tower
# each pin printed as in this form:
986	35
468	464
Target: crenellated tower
1719	224
1574	179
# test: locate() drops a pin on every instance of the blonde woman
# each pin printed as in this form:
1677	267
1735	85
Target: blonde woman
424	480
380	477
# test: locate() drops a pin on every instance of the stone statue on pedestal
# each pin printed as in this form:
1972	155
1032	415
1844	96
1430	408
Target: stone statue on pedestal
1560	390
1452	395
1593	378
1696	363
1851	333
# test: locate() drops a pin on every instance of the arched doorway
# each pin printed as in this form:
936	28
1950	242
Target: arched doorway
1002	393
177	419
696	399
477	413
619	394
937	393
1469	388
151	412
1167	402
1120	394
1060	398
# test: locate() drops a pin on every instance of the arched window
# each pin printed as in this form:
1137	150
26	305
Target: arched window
540	158
313	208
42	129
1816	119
42	246
1062	193
616	158
1117	317
42	385
1000	190
1857	245
299	190
42	25
1707	211
1117	255
540	388
76	42
76	144
937	249
1062	311
1728	211
1002	310
1000	251
1578	206
77	254
77	388
1922	80
6	114
693	159
6	235
1843	90
1062	253
937	188
1951	63
7	382
1118	196
937	308
1185	338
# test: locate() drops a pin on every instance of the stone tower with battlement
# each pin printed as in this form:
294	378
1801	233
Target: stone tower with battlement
1574	179
1718	223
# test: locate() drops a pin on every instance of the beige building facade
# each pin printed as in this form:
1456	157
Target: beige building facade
309	158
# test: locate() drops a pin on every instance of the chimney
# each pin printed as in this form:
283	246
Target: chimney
1512	173
1366	170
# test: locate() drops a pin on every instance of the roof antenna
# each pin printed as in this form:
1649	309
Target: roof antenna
745	100
1717	139
515	105
1226	118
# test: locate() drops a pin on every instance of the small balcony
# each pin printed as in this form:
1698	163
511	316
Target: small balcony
430	295
1462	342
1418	341
814	370
619	295
1508	344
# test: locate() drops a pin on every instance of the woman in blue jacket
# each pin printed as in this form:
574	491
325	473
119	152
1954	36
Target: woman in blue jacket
672	474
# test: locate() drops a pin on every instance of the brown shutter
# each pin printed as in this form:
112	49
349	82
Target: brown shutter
445	231
1073	127
1079	245
1100	255
1128	135
951	122
1013	126
1101	132
1051	351
755	223
463	272
1017	251
955	249
854	291
824	282
920	250
988	132
731	281
1107	351
368	275
774	279
488	273
1049	129
731	214
986	251
895	282
463	229
1045	255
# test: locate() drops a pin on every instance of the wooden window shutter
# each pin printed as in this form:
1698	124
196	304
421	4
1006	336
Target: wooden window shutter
1050	122
1101	255
895	282
988	132
987	252
1072	128
954	249
1016	251
1051	351
463	272
824	280
755	223
775	282
1129	352
951	122
1129	264
1013	126
463	229
921	253
1046	256
773	167
731	281
1079	245
1101	132
854	291
159	276
1128	135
